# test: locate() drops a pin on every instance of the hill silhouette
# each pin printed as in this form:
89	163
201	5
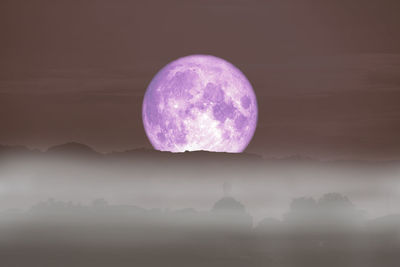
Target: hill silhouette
75	149
72	148
79	150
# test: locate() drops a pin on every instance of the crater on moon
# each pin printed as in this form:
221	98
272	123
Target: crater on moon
200	102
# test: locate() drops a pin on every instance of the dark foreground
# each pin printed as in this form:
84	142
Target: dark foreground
188	240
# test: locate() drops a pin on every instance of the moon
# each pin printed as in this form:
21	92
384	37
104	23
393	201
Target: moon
200	102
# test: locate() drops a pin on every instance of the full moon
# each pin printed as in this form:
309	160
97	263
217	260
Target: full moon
200	102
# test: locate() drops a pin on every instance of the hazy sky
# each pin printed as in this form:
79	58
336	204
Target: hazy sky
326	73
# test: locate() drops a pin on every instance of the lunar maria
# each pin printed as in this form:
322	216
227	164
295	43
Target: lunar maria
200	102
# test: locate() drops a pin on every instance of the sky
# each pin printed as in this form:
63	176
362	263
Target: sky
326	73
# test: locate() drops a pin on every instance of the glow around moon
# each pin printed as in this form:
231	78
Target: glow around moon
200	102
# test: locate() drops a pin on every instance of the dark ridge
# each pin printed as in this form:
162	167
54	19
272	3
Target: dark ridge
73	148
299	157
145	153
294	158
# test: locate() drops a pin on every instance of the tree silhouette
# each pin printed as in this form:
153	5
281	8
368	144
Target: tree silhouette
229	211
331	211
303	210
337	209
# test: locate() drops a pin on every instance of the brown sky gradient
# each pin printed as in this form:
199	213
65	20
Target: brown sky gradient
326	73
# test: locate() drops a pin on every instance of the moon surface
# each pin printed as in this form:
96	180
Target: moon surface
200	102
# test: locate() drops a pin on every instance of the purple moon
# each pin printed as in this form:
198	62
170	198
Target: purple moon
200	102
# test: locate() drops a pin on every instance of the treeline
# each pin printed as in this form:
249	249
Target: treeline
331	213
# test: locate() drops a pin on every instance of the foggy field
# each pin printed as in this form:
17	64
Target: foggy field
153	179
147	208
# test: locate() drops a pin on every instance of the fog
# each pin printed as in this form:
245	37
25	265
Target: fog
147	208
265	187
